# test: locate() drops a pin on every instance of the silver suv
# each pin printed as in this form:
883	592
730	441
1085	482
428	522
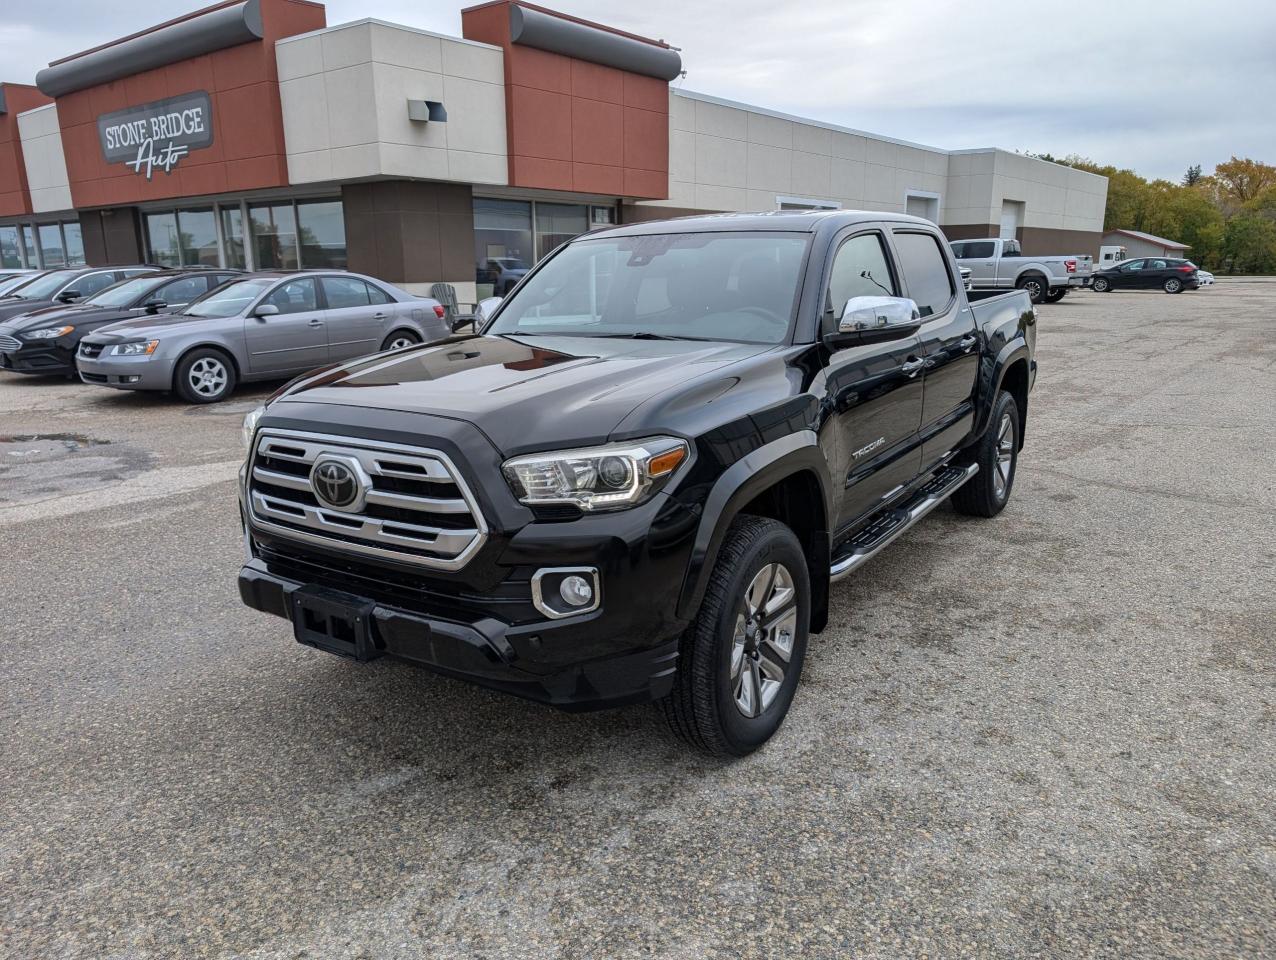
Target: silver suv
266	326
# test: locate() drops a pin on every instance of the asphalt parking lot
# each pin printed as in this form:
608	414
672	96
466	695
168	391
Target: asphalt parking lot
1049	734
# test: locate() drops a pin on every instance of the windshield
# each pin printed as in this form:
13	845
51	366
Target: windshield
231	299
123	294
11	284
45	287
689	286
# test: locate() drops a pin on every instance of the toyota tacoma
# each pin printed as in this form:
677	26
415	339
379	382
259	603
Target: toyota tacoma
642	476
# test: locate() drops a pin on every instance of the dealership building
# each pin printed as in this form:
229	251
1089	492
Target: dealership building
252	134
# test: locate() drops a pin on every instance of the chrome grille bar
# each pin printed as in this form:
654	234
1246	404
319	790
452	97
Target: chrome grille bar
436	544
10	344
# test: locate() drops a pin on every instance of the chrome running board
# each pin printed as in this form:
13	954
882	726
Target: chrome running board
891	524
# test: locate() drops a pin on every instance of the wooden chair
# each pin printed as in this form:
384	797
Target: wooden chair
445	293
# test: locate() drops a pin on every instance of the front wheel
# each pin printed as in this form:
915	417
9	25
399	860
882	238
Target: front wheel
739	661
1101	285
1055	294
204	376
997	453
1173	285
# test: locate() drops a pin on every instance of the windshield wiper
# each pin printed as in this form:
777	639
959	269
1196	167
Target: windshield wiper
645	335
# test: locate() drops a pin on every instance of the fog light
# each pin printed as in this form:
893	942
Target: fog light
576	591
559	592
133	379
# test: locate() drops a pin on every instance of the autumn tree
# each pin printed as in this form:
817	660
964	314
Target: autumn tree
1241	180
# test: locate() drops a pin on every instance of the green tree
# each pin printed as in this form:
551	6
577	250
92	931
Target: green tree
1249	244
1193	175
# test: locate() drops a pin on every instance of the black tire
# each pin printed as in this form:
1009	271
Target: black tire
702	709
205	375
1055	294
983	495
1101	285
1173	285
1036	286
400	340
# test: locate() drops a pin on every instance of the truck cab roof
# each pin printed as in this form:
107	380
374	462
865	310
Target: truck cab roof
791	221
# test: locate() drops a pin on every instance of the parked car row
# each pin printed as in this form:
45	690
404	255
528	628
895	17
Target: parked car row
199	331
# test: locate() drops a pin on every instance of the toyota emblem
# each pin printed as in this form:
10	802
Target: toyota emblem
336	484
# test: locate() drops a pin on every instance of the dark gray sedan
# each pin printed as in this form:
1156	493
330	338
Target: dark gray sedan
266	326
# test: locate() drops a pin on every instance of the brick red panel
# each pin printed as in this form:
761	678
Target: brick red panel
15	198
574	125
247	152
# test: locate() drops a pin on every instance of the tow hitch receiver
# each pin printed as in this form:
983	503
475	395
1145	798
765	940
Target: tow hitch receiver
337	622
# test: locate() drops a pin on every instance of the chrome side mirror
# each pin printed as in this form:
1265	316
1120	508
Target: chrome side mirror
879	318
485	308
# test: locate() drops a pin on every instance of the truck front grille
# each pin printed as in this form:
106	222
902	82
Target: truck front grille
410	503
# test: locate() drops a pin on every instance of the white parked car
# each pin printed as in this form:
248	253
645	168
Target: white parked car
1204	278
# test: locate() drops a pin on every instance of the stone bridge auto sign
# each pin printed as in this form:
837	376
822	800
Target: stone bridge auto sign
155	136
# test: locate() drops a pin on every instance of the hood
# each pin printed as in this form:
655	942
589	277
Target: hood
73	313
16	307
525	393
139	326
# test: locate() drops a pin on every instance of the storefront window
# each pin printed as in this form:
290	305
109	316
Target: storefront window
162	238
233	236
557	223
74	242
10	248
321	227
502	244
197	233
51	245
27	239
274	236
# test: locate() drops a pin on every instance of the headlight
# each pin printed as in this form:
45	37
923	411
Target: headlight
598	478
250	426
139	348
48	333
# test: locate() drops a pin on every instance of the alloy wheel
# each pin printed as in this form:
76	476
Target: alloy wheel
399	343
1005	457
762	645
208	376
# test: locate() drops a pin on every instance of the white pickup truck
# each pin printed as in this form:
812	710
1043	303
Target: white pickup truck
1000	265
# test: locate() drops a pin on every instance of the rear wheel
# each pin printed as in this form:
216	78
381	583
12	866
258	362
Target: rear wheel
739	661
400	339
997	453
1173	285
204	376
1036	286
1101	285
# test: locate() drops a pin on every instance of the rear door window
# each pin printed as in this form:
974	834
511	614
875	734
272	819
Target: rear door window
181	292
344	292
974	249
921	259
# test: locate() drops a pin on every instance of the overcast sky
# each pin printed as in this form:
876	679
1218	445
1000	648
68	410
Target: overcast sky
1153	86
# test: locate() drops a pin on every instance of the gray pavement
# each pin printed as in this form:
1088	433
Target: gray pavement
1046	735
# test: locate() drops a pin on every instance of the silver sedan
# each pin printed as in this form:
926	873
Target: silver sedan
266	326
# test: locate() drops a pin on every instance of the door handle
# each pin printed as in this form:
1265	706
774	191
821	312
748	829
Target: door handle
912	367
316	323
967	342
379	316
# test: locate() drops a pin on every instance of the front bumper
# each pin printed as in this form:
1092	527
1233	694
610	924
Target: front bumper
125	373
39	357
484	651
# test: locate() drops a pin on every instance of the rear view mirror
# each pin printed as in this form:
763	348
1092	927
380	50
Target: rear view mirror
483	312
266	310
66	296
154	306
873	319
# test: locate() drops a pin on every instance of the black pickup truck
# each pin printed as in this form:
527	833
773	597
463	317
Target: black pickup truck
643	475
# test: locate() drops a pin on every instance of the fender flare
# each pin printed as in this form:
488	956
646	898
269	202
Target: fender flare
1041	268
1012	352
738	485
